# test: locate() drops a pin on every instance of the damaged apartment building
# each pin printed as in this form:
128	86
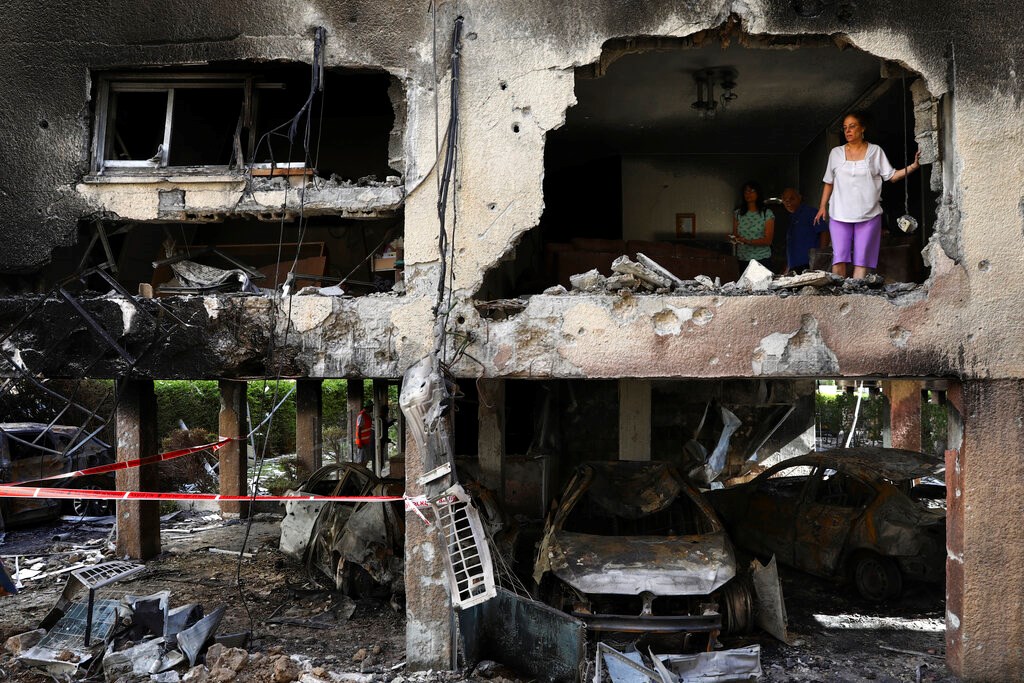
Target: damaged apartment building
311	190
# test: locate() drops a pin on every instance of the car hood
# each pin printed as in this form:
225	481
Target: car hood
630	565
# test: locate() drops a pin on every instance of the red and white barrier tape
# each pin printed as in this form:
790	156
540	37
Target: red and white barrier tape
9	491
138	462
21	490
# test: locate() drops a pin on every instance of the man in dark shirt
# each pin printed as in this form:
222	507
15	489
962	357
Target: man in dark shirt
803	234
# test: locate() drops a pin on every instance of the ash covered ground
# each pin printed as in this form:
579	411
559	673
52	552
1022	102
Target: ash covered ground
836	636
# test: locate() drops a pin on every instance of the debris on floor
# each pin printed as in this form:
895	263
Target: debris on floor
647	276
740	664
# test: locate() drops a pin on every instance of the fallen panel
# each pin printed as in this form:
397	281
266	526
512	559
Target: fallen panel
529	636
192	639
63	649
740	664
771	608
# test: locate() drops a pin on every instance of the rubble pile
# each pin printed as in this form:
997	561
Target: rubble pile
646	276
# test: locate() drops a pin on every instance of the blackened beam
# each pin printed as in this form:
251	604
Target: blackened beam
96	327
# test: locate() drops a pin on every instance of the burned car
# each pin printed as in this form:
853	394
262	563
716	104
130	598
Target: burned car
633	547
32	450
846	513
358	547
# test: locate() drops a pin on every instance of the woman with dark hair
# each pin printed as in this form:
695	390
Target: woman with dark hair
753	227
852	195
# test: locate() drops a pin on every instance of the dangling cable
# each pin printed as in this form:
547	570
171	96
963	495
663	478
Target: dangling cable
906	222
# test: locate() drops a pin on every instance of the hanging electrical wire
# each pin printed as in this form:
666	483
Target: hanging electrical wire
449	165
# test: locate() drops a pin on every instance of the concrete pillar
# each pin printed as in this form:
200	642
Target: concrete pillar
985	537
138	522
904	413
309	442
380	424
428	627
491	435
354	391
234	457
634	419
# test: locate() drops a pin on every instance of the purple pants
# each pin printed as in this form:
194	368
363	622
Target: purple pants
865	238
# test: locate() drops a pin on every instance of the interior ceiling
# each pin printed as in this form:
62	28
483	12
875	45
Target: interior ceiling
786	97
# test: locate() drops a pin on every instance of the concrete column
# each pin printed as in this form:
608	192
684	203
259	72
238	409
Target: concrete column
904	413
491	434
234	457
428	628
985	537
138	522
309	442
634	419
354	389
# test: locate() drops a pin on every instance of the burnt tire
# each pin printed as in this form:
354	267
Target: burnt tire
90	507
876	578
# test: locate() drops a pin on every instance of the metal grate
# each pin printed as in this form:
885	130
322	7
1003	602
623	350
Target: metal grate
69	632
106	573
468	556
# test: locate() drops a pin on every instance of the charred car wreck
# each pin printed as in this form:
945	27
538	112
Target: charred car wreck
633	547
845	513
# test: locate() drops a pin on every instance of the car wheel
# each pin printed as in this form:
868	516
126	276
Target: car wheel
92	508
877	578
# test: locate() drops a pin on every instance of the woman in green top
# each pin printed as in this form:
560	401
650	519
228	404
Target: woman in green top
753	227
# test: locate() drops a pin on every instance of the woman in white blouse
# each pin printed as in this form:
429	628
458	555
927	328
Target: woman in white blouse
851	198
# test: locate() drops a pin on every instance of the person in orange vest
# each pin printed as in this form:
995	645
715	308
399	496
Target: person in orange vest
363	438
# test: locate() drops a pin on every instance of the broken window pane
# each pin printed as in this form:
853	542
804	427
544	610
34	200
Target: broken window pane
204	124
137	129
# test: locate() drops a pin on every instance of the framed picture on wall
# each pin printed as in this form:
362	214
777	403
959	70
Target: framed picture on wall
686	225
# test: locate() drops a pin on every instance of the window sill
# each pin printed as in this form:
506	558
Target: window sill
166	175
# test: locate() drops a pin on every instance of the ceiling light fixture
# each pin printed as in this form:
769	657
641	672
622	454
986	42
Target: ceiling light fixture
707	105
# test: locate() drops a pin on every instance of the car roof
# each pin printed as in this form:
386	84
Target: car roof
36	427
872	462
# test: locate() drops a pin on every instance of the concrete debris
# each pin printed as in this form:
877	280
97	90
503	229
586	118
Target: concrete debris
225	663
814	278
650	263
557	290
23	641
617	282
808	290
705	282
625	266
590	281
756	278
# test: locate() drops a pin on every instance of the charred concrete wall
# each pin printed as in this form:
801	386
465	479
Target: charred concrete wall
517	82
55	49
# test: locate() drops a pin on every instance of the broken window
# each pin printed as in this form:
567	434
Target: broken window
231	118
159	121
664	134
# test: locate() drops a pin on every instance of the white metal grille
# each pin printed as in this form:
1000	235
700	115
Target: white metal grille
467	556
